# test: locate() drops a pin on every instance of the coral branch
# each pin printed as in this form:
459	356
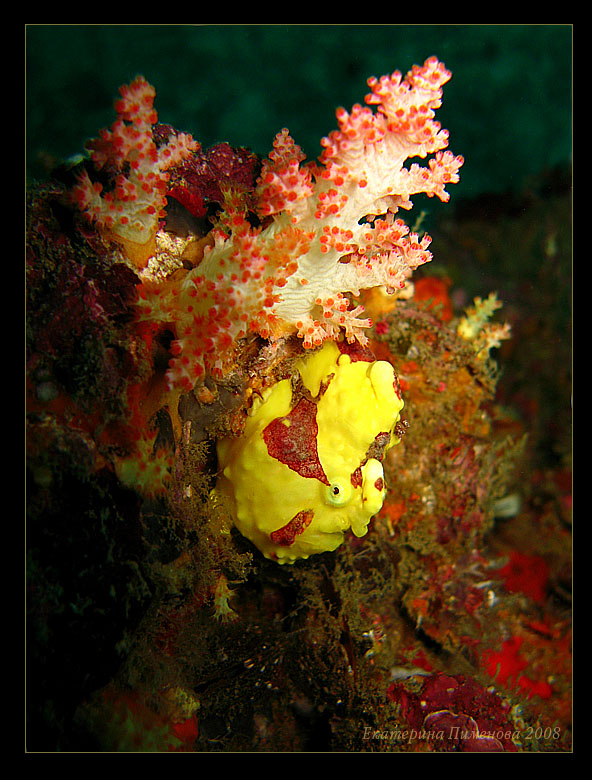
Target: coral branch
283	185
128	212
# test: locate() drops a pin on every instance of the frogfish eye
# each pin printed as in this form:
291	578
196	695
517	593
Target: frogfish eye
338	494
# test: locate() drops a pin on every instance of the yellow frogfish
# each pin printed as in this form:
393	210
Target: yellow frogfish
308	467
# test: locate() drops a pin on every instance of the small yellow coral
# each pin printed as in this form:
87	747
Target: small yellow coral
145	470
222	595
475	326
308	465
